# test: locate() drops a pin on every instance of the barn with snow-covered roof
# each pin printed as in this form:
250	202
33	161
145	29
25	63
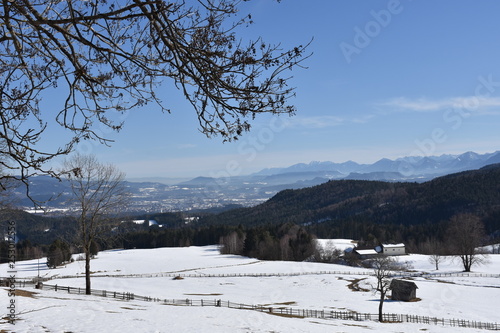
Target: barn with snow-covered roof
393	249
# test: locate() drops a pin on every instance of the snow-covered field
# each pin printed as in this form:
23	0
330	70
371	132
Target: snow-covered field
461	297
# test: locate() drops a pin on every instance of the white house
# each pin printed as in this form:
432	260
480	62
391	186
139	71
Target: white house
393	249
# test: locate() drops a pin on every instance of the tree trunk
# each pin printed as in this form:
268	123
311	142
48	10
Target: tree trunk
467	261
380	305
87	272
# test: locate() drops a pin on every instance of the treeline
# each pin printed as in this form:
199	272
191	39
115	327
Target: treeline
24	250
369	232
37	228
57	252
286	242
173	237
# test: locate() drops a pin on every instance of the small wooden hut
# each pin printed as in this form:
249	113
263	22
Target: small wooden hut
403	290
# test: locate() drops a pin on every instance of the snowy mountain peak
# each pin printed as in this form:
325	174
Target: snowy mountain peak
418	168
468	156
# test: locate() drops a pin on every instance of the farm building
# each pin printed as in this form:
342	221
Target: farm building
383	249
403	290
393	249
365	253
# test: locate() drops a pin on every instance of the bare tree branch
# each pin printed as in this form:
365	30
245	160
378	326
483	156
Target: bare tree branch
105	58
466	234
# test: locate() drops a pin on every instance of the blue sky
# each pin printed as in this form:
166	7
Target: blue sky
386	79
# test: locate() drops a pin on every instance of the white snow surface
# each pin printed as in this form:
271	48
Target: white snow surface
461	297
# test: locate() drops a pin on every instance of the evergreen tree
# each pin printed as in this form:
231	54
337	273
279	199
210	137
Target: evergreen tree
94	248
58	253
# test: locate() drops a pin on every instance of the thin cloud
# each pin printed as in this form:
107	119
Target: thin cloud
186	146
429	105
315	122
320	122
363	119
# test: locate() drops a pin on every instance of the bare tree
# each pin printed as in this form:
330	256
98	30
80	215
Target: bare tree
466	233
103	58
435	249
98	190
436	259
327	252
384	268
232	243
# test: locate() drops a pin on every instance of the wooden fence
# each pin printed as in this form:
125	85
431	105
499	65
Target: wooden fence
253	275
215	275
284	311
8	282
457	274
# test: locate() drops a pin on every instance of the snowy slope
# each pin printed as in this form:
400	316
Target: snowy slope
461	297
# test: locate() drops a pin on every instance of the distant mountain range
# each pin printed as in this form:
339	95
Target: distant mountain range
413	168
248	190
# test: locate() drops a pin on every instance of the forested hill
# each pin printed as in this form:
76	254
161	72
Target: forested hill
342	207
